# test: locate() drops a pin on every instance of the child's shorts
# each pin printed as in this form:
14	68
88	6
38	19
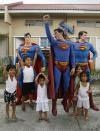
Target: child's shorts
83	103
9	97
28	88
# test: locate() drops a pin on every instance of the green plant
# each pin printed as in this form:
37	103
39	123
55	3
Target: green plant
3	36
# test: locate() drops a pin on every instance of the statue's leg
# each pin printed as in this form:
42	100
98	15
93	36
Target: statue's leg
57	76
66	79
54	106
92	104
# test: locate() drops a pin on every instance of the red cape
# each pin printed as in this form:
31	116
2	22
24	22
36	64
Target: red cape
51	91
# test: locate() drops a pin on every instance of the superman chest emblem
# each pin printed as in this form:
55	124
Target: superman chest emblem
82	47
25	50
63	46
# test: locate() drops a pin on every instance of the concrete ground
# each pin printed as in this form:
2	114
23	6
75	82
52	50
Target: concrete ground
27	121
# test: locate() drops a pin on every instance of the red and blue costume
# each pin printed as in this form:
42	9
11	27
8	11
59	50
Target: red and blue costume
82	52
63	59
29	51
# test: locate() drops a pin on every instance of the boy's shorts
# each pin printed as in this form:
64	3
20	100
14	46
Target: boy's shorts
9	97
28	88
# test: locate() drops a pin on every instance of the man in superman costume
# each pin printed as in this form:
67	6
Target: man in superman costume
62	65
28	49
82	57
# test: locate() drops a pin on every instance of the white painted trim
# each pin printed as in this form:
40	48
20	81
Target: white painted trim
14	52
54	11
39	41
97	53
51	11
46	36
2	11
87	36
31	36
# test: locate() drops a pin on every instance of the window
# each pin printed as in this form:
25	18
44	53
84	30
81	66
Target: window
36	22
88	23
3	48
98	24
44	42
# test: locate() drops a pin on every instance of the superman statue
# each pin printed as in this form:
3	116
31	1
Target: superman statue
67	28
82	50
63	65
28	49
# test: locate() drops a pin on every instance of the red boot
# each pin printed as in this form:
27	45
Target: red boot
54	107
65	105
92	104
18	96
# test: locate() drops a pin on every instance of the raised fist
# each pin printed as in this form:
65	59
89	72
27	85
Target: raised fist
46	17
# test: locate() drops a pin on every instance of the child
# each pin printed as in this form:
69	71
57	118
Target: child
42	100
9	74
28	78
83	91
78	70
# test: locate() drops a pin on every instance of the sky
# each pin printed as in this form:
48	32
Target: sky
52	1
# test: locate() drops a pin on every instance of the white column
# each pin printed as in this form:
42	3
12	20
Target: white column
98	53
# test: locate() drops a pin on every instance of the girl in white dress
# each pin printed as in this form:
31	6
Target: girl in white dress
42	99
82	92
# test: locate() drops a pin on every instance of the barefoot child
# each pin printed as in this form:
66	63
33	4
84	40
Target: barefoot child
28	78
83	91
78	70
42	100
9	74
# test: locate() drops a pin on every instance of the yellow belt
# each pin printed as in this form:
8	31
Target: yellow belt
62	63
82	64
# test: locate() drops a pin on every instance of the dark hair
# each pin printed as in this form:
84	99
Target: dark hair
83	72
10	66
77	66
26	34
60	31
26	58
41	76
81	33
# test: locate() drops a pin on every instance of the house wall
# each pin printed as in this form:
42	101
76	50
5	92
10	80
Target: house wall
19	28
4	41
3	27
92	31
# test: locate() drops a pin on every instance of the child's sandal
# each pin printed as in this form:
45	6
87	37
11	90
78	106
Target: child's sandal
47	120
40	119
23	108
